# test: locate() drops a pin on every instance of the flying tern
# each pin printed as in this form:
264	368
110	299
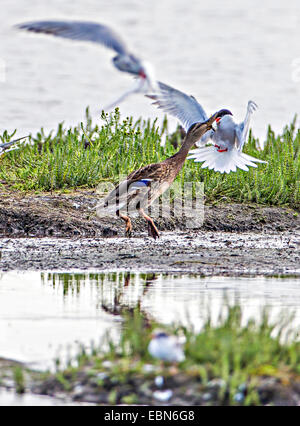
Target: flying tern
93	32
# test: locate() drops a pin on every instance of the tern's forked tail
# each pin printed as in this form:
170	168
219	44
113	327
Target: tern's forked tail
223	162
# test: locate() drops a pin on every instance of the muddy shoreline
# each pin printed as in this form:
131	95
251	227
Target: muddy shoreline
205	253
73	214
62	232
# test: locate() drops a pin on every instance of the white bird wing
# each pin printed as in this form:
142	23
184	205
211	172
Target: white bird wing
77	30
139	86
223	162
7	145
184	107
243	128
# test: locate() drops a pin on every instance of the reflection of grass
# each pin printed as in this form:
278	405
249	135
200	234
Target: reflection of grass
74	158
72	282
229	364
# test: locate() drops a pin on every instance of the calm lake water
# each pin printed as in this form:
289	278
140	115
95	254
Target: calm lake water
48	315
223	53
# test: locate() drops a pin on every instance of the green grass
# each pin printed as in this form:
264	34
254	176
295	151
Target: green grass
61	161
19	380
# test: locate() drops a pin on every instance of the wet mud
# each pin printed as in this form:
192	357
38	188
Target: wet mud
63	232
202	252
74	215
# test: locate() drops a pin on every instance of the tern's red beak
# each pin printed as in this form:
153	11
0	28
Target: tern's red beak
142	74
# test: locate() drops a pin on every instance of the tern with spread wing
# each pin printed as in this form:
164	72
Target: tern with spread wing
228	138
142	187
93	32
9	145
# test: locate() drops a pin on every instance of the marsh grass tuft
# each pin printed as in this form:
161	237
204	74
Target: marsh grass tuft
19	380
86	155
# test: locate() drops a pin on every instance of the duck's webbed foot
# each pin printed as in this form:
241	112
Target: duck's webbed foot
152	230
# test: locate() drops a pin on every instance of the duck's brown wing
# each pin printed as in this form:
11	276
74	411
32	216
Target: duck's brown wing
137	191
152	171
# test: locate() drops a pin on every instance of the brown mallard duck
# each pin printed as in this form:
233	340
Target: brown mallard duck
139	190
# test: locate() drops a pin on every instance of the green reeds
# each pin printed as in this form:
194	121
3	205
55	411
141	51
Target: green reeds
89	154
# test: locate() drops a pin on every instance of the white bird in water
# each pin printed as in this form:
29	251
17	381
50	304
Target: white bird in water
166	347
228	138
125	61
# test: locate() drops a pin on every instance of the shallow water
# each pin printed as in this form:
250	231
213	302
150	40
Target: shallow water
223	53
47	315
9	398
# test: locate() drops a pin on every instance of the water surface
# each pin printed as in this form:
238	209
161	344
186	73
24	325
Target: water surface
10	399
48	315
222	53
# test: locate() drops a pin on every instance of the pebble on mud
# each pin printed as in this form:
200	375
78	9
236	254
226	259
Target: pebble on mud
163	396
